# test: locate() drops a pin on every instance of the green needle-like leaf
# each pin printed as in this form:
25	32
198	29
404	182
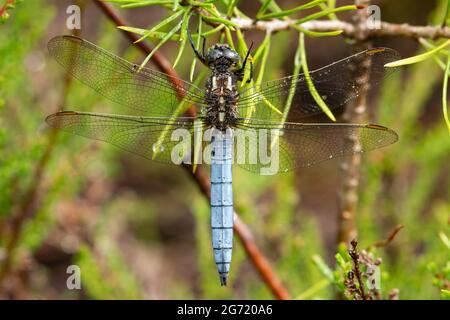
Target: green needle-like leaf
447	12
263	8
153	35
213	31
271	5
444	94
197	46
331	5
263	49
298	60
285	13
164	40
231	7
229	38
176	3
323	267
309	82
418	58
218	19
313	290
444	239
326	13
438	61
143	3
316	34
243	51
183	36
161	24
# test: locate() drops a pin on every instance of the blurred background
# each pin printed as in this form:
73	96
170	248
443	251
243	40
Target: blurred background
141	230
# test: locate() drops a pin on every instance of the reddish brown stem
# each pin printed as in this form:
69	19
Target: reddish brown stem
5	8
201	178
388	240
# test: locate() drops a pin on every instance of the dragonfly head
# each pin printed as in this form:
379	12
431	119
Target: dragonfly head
221	57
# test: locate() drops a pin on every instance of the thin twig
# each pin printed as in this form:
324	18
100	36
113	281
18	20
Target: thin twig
201	178
353	252
386	29
388	240
354	113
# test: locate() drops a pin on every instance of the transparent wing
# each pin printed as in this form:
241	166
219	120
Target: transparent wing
337	83
295	145
152	92
159	139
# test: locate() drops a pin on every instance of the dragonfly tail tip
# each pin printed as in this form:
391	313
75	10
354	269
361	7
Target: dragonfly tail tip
223	280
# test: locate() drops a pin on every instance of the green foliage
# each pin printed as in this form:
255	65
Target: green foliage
20	150
434	50
109	281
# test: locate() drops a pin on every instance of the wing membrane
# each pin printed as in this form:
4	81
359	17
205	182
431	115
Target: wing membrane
150	138
337	83
303	145
152	92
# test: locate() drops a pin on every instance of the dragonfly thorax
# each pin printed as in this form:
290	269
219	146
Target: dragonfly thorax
222	98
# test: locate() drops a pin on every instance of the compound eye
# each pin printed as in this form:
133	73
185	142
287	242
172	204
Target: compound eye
214	55
232	55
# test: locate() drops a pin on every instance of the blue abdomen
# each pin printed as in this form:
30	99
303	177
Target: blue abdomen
222	202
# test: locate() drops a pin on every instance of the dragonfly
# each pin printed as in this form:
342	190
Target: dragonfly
268	115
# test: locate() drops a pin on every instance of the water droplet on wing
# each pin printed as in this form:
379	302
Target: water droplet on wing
157	148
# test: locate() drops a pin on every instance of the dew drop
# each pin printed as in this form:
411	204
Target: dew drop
157	148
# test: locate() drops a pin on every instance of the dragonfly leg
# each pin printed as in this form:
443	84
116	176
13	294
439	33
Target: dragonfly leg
200	56
203	46
240	73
